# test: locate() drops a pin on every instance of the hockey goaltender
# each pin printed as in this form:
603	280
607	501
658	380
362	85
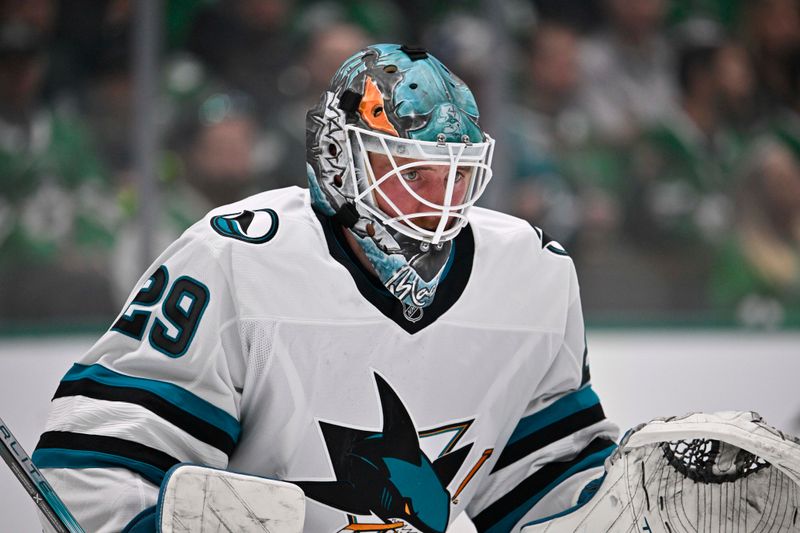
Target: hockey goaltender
376	353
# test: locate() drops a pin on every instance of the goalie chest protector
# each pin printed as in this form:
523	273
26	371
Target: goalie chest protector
329	384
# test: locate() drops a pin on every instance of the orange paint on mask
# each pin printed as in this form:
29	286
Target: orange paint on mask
371	109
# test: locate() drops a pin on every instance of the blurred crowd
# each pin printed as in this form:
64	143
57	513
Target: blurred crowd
657	140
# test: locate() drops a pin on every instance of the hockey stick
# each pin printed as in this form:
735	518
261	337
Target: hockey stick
35	484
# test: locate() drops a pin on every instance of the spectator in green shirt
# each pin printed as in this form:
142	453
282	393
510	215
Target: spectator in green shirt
57	209
682	169
757	272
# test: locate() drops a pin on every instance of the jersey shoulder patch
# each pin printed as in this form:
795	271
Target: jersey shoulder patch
253	226
548	243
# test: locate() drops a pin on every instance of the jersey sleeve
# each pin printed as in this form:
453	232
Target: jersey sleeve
558	446
162	386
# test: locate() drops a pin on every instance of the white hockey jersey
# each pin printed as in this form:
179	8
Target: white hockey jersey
257	343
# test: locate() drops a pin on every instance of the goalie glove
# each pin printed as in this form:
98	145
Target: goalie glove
722	472
197	499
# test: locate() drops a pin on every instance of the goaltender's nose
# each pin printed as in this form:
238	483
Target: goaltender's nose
434	188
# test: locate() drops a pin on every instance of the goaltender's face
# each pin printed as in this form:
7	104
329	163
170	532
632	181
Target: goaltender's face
427	180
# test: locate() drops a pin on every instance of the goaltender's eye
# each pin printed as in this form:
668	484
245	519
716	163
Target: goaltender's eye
410	175
407	509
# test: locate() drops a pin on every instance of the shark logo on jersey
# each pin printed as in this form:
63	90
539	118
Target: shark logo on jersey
387	473
254	227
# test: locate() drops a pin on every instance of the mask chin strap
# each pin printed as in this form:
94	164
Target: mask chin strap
448	193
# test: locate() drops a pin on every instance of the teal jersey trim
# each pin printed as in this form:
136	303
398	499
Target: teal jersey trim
562	408
591	461
64	458
171	393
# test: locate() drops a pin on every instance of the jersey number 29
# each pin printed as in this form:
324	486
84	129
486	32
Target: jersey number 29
182	308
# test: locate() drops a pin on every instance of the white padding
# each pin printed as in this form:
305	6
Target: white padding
198	499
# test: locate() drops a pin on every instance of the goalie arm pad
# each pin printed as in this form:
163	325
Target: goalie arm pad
134	407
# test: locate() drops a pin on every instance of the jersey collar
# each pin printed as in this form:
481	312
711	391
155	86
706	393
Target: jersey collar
452	285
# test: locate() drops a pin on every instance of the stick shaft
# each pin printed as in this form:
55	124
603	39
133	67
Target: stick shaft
35	484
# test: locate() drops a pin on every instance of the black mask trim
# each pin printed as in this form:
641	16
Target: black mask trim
349	101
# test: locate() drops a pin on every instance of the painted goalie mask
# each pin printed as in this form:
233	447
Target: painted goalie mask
401	106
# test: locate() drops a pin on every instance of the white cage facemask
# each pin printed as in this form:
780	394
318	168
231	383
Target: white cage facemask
463	161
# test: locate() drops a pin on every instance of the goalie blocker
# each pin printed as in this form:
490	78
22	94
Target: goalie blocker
722	472
197	499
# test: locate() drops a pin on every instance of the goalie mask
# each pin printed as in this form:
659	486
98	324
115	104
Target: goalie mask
390	114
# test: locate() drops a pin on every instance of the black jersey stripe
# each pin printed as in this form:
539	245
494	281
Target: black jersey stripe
585	374
549	434
102	444
193	425
511	507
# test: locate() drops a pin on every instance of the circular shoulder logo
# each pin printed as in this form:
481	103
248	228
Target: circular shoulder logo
254	227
